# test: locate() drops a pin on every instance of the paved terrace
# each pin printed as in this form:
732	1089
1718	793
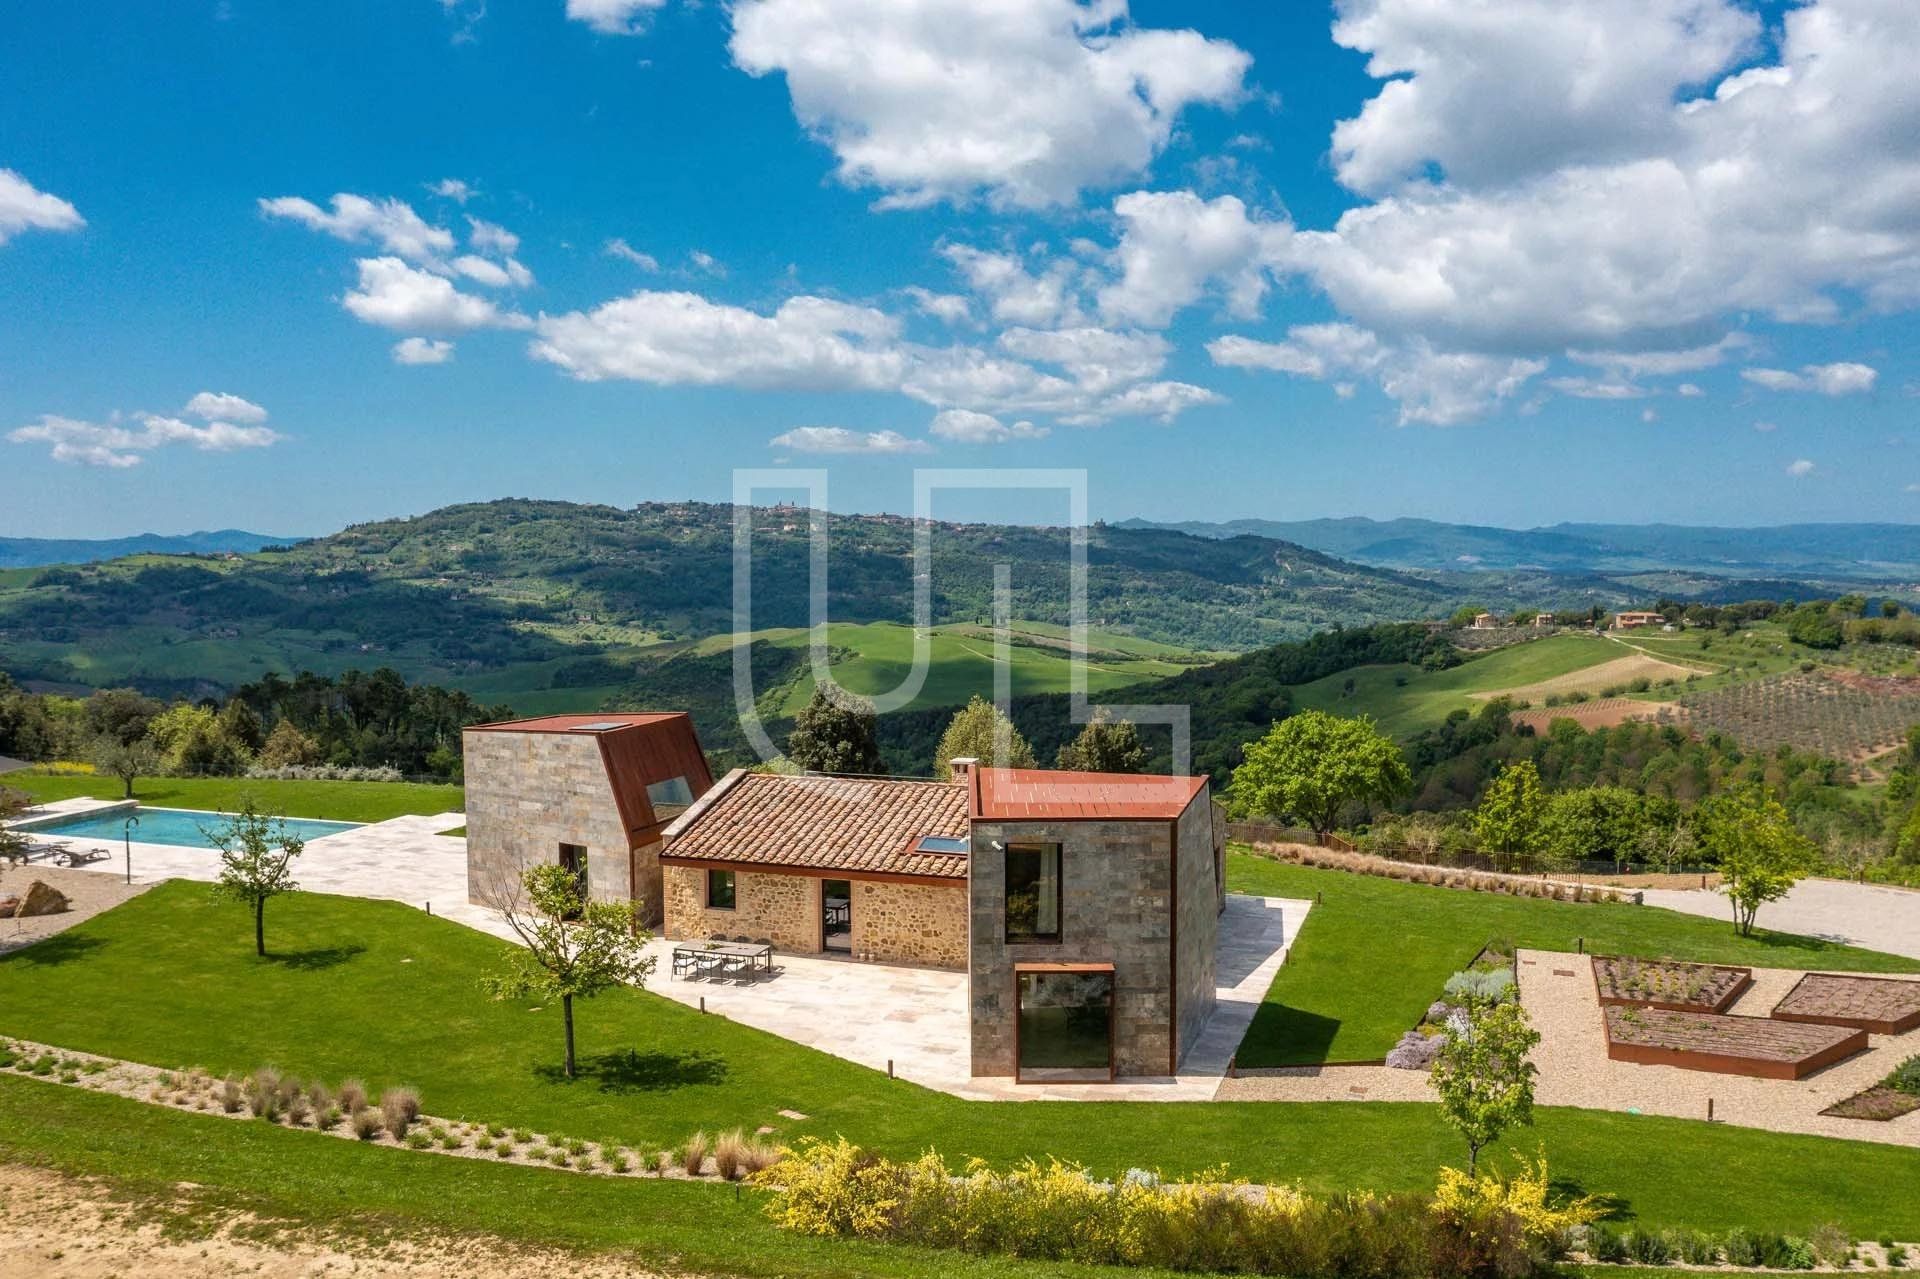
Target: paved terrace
915	1018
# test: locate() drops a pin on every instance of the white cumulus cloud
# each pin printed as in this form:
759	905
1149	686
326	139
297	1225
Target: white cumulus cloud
1800	469
614	17
1175	246
397	296
618	248
219	406
838	439
964	426
24	207
122	442
391	224
422	351
1844	378
1026	102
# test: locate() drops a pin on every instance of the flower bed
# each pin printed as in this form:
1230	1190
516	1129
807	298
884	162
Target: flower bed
1668	984
1756	1046
1878	1103
1881	1005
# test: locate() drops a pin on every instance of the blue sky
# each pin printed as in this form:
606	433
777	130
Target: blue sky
290	266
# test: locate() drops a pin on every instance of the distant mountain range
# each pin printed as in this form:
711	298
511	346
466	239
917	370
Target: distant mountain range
1859	551
32	552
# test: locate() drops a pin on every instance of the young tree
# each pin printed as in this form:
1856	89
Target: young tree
1482	1074
1512	812
979	731
1104	746
1748	834
575	948
1310	766
287	747
128	761
256	862
835	733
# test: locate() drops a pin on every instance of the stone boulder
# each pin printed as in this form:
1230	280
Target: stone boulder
42	899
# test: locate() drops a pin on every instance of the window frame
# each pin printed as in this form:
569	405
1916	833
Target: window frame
1039	847
733	889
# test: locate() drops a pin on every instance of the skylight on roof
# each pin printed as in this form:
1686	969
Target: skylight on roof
948	844
600	727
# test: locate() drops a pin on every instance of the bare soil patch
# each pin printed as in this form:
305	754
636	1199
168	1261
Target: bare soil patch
1670	985
1606	712
1595	679
1876	1103
1758	1046
60	1227
1882	1005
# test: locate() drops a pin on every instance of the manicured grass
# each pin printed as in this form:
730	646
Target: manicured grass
335	801
383	992
1376	951
154	1155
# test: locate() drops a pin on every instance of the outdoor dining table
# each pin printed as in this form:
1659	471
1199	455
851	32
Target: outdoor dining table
758	955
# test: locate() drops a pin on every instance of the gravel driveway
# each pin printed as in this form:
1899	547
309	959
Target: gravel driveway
1869	915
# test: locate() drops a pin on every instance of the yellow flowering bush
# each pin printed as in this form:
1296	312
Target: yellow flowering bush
1524	1196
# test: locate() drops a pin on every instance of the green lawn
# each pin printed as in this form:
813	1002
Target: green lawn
335	801
383	992
1376	951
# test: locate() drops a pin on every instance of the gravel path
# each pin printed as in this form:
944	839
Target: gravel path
1870	915
88	892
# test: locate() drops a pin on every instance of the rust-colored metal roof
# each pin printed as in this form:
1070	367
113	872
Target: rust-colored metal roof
609	722
1040	795
859	825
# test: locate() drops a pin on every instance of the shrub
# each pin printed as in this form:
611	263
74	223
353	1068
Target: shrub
1786	1252
1743	1249
1058	1212
662	1161
325	773
298	1112
1493	986
1649	1248
319	1097
452	1141
495	1131
399	1107
1604	1243
617	1160
353	1096
1906	1076
366	1124
1831	1244
693	1156
504	1149
1415	1051
329	1118
1695	1248
557	1157
418	1140
263	1095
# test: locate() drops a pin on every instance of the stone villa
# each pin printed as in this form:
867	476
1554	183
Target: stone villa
593	792
1083	907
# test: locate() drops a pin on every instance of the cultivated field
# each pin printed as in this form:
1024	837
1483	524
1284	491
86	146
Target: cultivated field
1840	714
1605	712
1617	673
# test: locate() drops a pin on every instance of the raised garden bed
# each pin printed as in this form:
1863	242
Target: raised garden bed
1668	984
1877	1004
1878	1102
1755	1046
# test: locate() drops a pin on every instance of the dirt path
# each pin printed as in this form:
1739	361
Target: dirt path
58	1227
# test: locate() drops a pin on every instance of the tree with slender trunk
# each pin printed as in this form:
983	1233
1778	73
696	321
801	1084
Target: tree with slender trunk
1761	855
574	947
128	761
1482	1074
1312	765
1509	822
256	862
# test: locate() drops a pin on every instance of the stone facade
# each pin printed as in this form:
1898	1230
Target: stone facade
925	925
892	923
785	909
529	793
1117	907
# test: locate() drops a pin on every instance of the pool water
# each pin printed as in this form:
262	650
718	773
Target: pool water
178	827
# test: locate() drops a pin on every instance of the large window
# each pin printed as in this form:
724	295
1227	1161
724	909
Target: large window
1065	1024
1033	892
672	793
720	890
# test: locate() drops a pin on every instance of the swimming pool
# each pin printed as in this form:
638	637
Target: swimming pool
178	827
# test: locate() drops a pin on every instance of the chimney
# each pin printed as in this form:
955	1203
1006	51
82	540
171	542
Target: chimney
961	765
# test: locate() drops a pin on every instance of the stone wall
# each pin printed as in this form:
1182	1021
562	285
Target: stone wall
1116	907
783	908
910	923
1197	940
529	793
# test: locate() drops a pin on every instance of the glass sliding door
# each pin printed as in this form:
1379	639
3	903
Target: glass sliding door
836	916
1065	1024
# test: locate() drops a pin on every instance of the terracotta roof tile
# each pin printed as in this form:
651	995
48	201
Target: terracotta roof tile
854	824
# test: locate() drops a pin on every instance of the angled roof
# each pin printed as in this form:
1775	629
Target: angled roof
857	825
1038	795
606	722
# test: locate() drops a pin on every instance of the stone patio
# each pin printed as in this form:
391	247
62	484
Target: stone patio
916	1018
